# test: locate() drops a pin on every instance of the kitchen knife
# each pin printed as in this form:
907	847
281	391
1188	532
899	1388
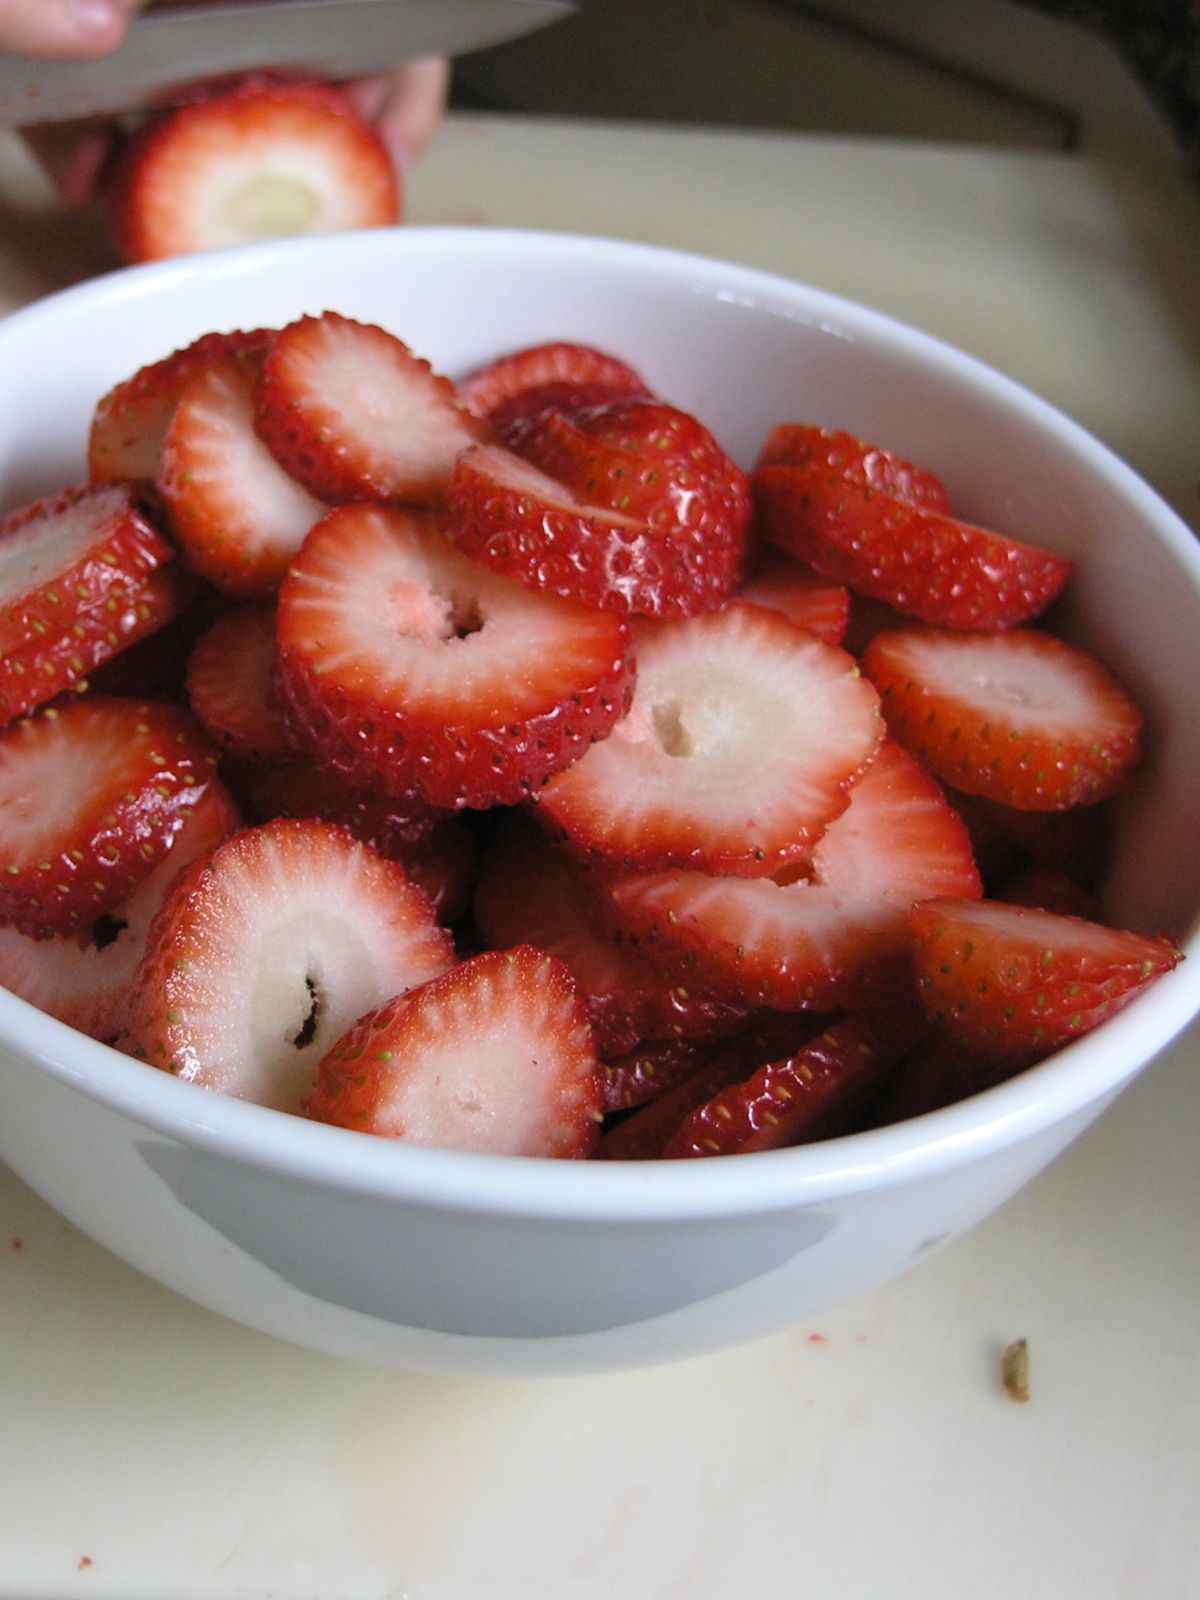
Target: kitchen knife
168	52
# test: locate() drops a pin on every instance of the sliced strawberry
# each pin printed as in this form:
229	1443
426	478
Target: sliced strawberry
741	745
231	684
527	893
1050	888
643	1135
781	583
236	515
349	411
560	375
834	933
92	791
130	423
1024	718
633	505
1077	841
408	667
436	848
265	952
922	562
820	1089
1015	983
67	554
33	674
833	454
82	978
496	1057
652	1068
259	161
938	1071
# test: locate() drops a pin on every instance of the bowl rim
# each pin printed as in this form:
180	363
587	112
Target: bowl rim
1080	1076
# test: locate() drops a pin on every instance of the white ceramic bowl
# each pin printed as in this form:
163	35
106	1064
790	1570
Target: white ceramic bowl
457	1262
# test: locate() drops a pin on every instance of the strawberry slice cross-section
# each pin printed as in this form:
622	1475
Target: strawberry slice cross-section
350	412
495	1057
267	950
412	669
741	745
258	161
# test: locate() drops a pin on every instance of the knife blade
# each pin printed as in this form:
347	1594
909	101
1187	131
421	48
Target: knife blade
167	51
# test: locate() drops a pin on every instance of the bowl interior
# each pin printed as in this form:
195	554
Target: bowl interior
743	350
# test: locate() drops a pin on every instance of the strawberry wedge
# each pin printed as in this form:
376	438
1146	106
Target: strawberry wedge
349	411
236	515
92	792
495	1057
267	950
741	745
405	666
1023	718
259	161
1015	983
832	933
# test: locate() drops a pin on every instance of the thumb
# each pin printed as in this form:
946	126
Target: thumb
64	29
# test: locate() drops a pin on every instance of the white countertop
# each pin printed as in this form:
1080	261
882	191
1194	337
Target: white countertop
150	1449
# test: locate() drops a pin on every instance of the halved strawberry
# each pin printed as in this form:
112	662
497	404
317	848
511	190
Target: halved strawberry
130	422
781	583
638	508
231	684
527	893
743	739
235	514
259	161
92	792
406	666
265	952
1016	983
496	1057
922	562
563	376
82	978
819	1090
834	454
353	414
1023	717
832	933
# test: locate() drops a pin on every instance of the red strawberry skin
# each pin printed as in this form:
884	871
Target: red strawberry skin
258	161
801	1096
92	792
407	667
1022	718
1015	983
230	682
922	562
526	382
494	1057
833	454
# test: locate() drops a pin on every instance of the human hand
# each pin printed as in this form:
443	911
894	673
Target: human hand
68	30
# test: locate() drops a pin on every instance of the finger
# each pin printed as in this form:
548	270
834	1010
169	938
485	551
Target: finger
74	154
64	29
406	106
